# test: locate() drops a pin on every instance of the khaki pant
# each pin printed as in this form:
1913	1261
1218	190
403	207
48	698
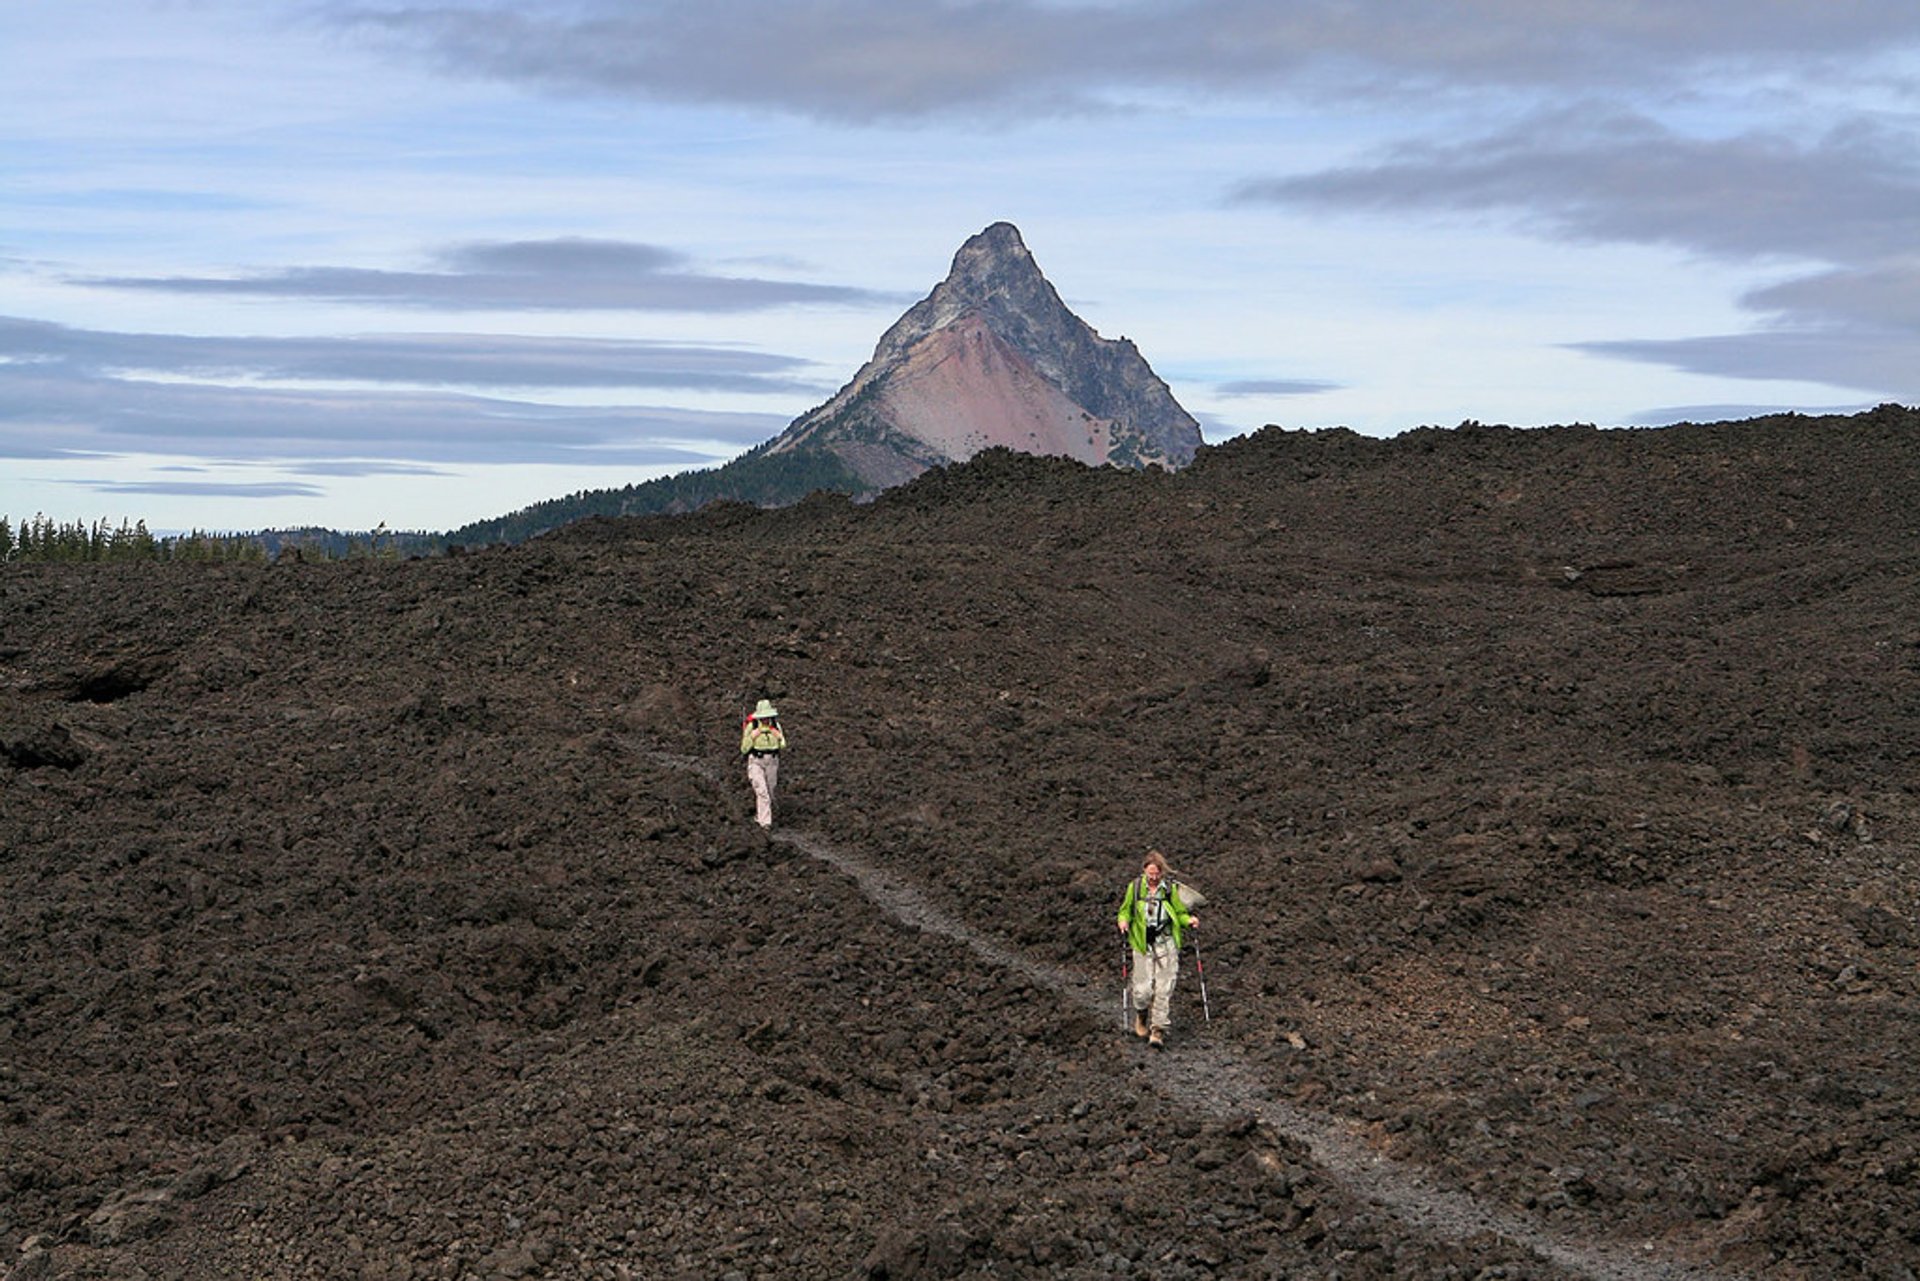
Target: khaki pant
1153	979
763	772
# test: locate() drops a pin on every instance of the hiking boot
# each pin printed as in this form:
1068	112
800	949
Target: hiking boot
1139	1022
1157	1038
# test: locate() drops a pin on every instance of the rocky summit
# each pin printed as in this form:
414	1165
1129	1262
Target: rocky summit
992	357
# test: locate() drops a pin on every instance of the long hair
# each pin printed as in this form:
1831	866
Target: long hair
1170	875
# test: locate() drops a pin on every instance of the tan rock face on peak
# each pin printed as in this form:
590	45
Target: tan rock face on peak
963	389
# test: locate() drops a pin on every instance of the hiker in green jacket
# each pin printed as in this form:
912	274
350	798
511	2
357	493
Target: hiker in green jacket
761	742
1155	920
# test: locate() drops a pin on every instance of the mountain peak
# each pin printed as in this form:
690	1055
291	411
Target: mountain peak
1000	237
993	271
992	356
997	249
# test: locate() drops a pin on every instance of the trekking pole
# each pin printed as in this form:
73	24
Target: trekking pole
1206	1007
1126	986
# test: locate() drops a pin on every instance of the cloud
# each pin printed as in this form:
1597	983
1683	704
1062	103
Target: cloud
446	360
567	256
880	61
566	274
1879	362
51	411
1668	415
205	488
359	468
838	60
1885	296
1855	327
1597	176
1274	387
1594	176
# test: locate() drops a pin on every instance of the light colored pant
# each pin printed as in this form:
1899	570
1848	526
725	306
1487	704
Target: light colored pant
763	772
1153	978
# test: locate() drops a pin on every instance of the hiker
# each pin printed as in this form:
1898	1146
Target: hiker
1154	917
761	742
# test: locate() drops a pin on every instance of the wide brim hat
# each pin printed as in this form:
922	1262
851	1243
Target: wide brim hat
765	711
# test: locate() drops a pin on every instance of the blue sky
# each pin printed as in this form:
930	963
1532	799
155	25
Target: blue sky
280	262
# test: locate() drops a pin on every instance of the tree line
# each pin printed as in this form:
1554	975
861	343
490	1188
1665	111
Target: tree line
44	540
757	477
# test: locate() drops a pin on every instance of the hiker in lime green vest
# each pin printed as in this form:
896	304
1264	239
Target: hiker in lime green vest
1155	920
761	742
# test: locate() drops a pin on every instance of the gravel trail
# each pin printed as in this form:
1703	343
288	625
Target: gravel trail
1218	1082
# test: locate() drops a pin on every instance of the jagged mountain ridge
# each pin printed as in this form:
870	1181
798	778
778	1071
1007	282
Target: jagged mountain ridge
991	357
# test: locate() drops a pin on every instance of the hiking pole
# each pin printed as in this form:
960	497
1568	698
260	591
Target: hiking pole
1206	1007
1126	985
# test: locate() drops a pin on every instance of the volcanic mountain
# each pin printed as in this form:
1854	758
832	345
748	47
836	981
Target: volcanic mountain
992	357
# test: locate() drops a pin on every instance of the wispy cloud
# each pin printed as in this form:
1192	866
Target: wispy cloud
1592	177
869	61
47	419
1274	387
1667	415
1885	296
450	360
68	393
206	489
1598	176
566	274
362	469
1881	362
841	60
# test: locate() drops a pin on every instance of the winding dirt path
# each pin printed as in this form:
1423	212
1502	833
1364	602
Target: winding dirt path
1217	1081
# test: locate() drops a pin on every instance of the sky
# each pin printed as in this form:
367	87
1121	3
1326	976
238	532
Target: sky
278	263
